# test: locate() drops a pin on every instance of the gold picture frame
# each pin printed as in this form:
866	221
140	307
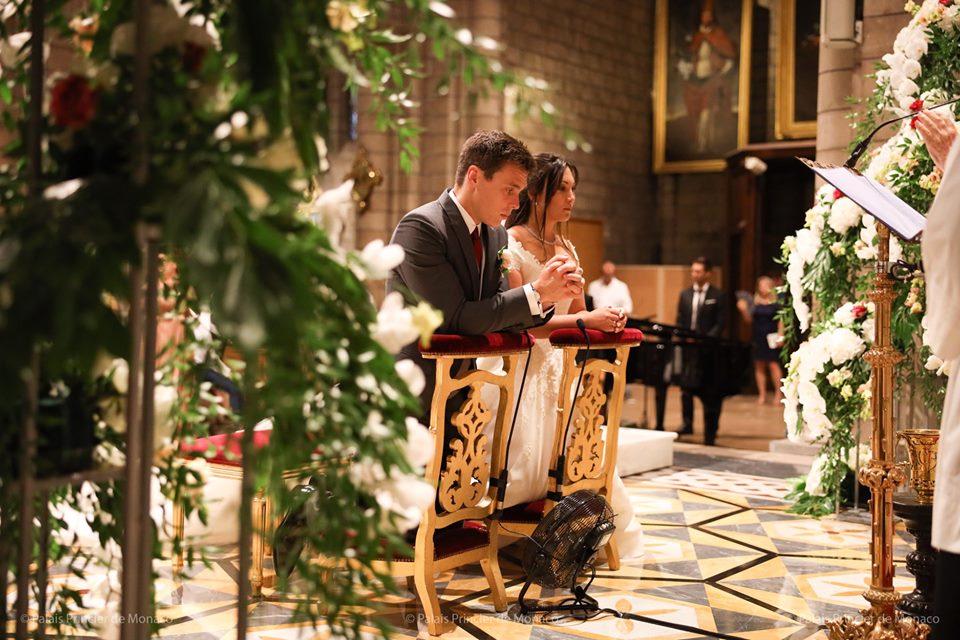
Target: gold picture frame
798	58
720	67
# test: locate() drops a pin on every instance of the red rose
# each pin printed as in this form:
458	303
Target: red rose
945	3
72	102
837	194
193	57
859	311
916	105
913	122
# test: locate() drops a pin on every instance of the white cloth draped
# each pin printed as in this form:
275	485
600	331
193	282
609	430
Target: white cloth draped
533	437
941	259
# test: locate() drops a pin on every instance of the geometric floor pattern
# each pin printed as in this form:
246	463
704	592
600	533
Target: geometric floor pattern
722	559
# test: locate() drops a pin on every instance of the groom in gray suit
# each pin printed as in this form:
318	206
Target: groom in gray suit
452	248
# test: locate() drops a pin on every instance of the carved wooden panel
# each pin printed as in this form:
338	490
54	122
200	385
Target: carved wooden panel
585	453
463	480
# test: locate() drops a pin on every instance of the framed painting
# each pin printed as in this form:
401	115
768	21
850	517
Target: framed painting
798	67
701	83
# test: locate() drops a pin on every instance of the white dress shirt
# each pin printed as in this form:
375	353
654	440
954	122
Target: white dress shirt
615	294
941	260
533	300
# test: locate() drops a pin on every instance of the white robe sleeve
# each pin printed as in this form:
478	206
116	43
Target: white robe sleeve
941	262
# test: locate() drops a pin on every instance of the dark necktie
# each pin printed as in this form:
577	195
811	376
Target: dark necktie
697	301
477	247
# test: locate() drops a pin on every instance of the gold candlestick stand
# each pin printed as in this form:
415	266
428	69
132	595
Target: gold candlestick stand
882	475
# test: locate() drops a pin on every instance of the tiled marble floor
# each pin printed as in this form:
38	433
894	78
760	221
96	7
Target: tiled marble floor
722	560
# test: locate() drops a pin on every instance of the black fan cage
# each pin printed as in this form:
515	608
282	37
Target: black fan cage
562	543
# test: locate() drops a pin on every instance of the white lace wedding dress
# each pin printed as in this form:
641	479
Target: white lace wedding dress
533	436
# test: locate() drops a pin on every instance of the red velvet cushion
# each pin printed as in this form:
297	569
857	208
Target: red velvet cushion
526	512
571	337
453	540
448	344
227	446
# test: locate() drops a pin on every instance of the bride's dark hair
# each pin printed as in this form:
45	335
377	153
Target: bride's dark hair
546	178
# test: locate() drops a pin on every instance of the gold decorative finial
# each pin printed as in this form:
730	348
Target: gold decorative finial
365	178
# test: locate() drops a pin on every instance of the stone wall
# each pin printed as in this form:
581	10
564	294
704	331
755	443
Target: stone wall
597	61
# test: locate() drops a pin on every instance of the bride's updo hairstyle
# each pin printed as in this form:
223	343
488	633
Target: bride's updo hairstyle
546	178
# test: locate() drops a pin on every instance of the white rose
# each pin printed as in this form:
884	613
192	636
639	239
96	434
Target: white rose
825	194
411	375
420	444
378	259
862	452
844	215
394	328
844	345
407	496
844	315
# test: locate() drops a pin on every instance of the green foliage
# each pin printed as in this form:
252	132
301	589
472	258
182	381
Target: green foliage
231	134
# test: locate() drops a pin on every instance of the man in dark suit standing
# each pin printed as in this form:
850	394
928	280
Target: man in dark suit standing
702	309
452	246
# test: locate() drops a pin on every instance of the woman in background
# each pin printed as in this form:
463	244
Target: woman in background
767	336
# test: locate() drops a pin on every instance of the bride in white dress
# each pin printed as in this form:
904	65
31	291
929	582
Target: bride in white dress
534	238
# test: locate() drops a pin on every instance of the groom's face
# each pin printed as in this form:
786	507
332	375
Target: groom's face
498	196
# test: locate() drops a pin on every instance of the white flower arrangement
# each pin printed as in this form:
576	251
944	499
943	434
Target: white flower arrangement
825	364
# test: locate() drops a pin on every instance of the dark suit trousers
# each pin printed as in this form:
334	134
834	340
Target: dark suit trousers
686	403
947	626
712	404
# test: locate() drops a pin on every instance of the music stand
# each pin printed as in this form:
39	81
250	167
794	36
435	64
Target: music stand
881	474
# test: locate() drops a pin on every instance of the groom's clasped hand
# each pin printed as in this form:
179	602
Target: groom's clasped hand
561	279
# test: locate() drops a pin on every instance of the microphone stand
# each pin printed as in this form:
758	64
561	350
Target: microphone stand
851	162
558	471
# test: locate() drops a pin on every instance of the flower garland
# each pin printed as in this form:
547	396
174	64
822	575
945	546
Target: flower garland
826	390
828	260
237	111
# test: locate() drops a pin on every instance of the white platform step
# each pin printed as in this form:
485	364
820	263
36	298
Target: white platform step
795	448
640	450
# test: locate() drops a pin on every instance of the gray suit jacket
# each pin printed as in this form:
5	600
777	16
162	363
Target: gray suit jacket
439	267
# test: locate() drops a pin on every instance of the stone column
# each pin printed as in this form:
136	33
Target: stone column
838	71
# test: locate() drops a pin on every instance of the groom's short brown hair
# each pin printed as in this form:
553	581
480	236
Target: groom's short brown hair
489	151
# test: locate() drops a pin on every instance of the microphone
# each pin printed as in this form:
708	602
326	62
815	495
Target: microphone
851	162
